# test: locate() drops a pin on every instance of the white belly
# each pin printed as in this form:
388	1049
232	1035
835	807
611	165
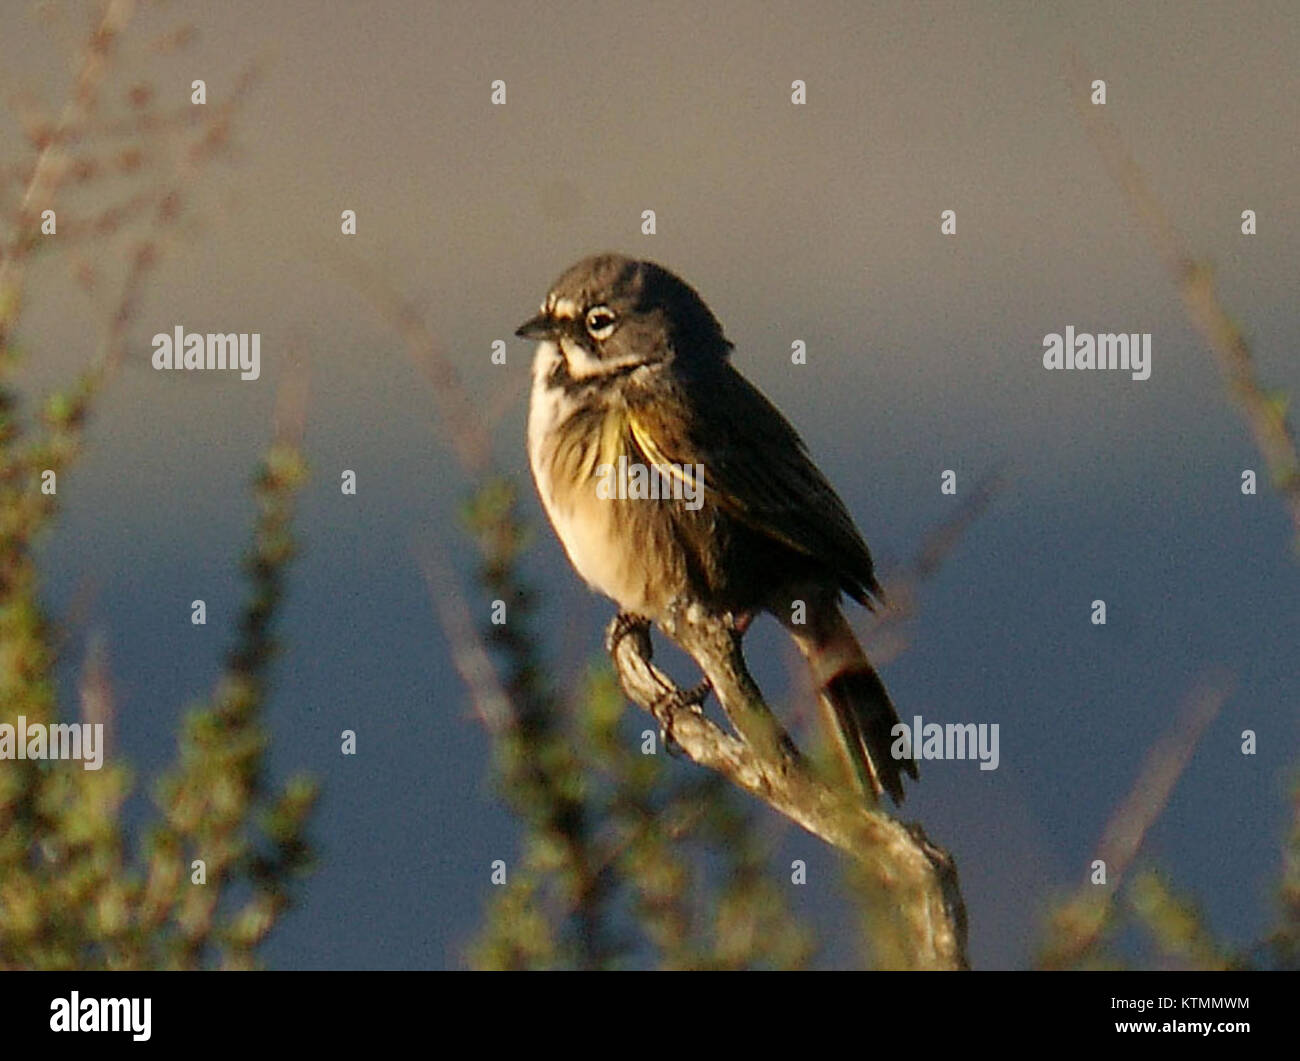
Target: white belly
585	523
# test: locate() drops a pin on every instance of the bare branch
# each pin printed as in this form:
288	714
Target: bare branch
1163	766
469	653
920	877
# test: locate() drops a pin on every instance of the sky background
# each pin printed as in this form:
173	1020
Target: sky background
818	223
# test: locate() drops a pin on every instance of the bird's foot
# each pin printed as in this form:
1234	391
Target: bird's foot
681	700
624	623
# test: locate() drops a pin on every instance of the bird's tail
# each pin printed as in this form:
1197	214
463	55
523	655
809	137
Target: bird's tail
853	699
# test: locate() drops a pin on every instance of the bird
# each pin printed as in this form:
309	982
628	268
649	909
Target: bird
632	370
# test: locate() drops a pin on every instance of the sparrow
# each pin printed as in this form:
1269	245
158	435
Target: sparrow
633	371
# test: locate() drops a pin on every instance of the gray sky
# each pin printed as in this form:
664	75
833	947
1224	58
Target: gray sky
819	223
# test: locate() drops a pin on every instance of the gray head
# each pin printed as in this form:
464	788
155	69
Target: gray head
608	313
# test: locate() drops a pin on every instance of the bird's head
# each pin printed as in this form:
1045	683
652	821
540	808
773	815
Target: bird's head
609	313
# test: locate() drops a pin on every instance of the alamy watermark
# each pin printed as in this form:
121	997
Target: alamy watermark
952	740
61	740
213	350
632	481
1126	351
77	1014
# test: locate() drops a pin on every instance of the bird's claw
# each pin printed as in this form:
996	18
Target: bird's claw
681	700
624	623
628	623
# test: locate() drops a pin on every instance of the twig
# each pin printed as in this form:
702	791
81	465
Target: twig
465	428
469	653
1264	412
885	639
1163	766
1079	923
85	95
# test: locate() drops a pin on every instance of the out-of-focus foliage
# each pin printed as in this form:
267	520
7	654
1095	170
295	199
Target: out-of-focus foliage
75	891
624	861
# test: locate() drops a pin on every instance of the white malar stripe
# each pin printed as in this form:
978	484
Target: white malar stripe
582	363
585	365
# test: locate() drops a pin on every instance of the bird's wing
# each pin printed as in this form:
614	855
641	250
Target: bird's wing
756	468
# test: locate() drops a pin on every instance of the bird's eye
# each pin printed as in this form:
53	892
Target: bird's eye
600	322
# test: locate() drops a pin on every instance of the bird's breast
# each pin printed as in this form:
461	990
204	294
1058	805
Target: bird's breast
623	547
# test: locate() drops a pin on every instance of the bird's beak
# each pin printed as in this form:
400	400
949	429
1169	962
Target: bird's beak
539	327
